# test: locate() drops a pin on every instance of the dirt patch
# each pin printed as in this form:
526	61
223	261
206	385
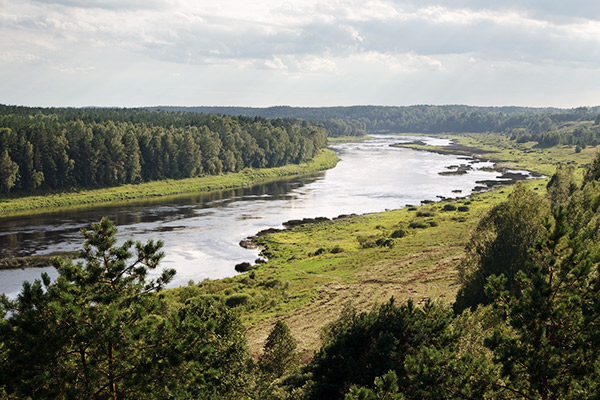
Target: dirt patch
419	276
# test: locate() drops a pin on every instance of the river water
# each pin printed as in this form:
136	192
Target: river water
202	232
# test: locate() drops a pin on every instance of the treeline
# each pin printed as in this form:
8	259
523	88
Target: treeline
581	134
336	127
64	148
548	126
421	118
525	324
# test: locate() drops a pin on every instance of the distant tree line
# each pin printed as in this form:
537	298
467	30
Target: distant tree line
63	148
548	126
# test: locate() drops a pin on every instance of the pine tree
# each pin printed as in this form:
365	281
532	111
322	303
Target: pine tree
279	353
553	348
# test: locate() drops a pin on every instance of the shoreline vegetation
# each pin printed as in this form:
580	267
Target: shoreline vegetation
316	269
15	206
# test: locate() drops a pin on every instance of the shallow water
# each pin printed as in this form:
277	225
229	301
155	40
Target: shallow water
202	232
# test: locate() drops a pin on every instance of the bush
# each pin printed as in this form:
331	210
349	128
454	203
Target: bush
336	249
432	223
425	214
237	299
449	207
399	233
319	251
417	225
463	208
383	242
366	242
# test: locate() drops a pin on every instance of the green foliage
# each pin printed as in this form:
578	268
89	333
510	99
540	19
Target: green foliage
561	186
424	213
593	171
449	207
418	225
386	388
553	351
500	245
522	123
100	331
8	172
279	353
360	347
399	233
336	249
238	299
60	148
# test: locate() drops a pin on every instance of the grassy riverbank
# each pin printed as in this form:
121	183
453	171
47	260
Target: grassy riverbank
314	270
510	154
10	206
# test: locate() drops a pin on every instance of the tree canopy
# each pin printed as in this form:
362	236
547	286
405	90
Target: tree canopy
64	148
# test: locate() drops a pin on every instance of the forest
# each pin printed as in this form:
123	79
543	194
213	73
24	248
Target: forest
61	148
548	126
45	149
525	323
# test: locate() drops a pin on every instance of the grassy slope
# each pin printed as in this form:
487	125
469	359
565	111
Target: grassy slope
249	176
308	291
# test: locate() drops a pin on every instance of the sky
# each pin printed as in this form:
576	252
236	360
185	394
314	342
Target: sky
301	53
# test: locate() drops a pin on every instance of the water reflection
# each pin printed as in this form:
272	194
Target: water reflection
202	231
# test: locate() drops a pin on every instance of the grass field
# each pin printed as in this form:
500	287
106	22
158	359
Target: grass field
315	270
10	206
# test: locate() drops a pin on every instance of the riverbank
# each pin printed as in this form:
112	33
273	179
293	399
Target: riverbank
13	206
508	154
316	269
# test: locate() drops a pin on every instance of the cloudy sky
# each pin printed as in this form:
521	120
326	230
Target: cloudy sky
300	53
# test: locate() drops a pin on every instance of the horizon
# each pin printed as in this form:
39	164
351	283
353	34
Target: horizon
590	106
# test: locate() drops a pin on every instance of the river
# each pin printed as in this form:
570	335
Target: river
202	231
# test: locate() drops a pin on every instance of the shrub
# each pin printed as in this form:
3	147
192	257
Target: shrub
319	251
417	225
383	242
237	299
432	223
463	208
449	207
366	242
425	214
336	249
399	233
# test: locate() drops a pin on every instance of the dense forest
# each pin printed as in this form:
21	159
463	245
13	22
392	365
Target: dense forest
60	148
525	324
549	126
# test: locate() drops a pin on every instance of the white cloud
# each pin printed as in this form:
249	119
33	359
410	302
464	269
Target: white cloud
354	48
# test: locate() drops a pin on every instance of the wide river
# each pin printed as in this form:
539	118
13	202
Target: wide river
202	232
